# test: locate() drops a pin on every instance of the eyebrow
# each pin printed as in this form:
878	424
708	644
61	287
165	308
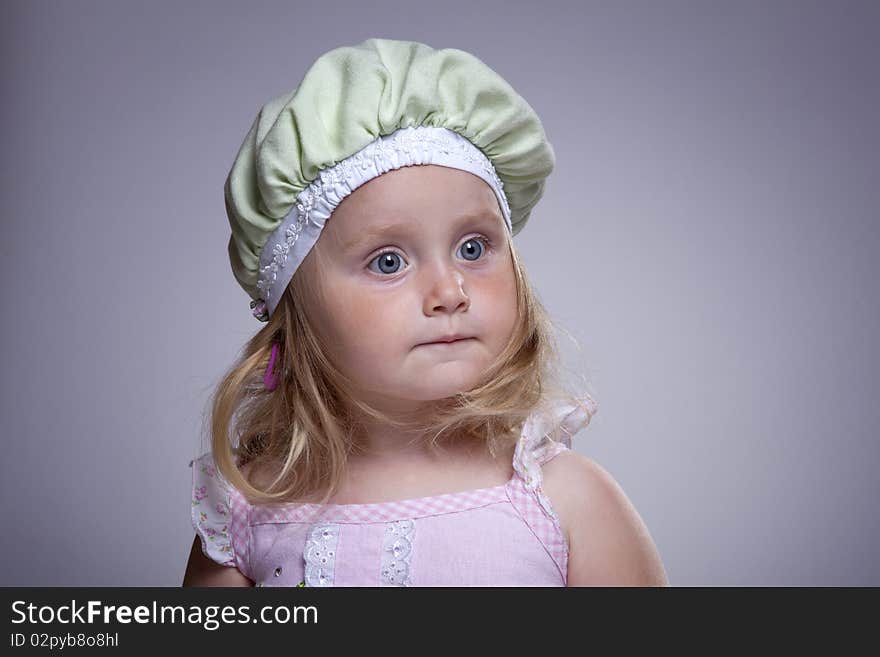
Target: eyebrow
386	229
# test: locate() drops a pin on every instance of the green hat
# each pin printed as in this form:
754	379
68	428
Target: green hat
359	112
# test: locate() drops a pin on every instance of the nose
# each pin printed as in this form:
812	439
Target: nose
446	294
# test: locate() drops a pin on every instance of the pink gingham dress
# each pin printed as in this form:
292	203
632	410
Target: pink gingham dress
507	535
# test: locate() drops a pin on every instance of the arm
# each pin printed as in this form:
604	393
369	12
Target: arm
609	545
202	571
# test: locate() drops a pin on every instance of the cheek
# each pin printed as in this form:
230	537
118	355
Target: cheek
368	324
499	300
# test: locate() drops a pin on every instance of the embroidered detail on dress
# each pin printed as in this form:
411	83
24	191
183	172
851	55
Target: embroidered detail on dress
320	554
397	550
277	573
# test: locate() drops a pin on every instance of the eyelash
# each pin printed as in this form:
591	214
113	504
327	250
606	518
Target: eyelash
489	246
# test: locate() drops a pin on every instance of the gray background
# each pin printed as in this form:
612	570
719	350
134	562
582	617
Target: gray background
709	238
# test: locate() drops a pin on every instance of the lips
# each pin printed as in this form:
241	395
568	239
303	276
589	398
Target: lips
449	339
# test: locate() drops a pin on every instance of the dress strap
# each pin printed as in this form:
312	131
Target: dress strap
552	449
546	433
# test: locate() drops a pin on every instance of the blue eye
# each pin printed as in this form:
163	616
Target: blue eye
471	246
472	249
387	259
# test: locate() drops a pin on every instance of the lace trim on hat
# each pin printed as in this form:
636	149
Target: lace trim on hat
404	147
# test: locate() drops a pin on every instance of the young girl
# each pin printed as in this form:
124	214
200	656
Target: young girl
398	421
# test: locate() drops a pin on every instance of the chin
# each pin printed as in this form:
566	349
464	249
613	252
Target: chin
441	389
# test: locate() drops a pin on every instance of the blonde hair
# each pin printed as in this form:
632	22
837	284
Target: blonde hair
302	432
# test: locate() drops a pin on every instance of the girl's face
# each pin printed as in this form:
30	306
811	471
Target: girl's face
410	257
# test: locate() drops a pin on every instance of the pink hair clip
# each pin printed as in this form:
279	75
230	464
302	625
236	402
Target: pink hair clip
270	380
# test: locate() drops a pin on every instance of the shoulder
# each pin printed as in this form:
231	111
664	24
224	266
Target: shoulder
609	543
217	513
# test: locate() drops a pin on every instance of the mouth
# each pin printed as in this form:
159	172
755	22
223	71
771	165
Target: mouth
449	341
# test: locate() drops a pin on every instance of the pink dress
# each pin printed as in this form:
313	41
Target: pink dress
507	535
